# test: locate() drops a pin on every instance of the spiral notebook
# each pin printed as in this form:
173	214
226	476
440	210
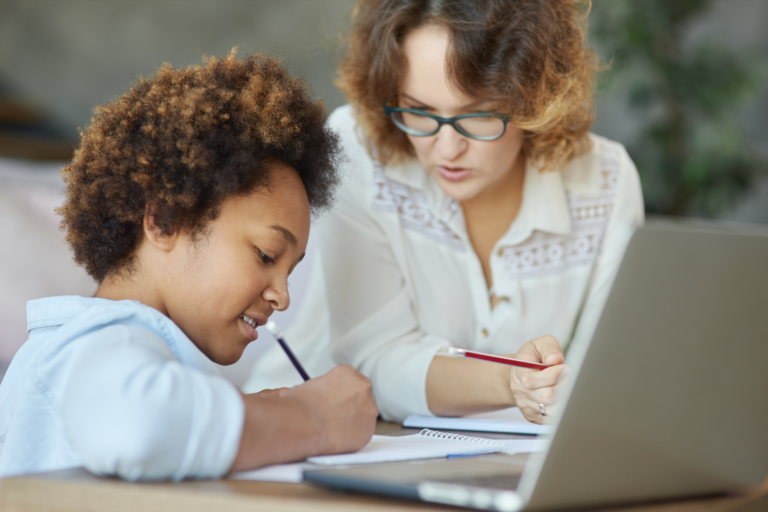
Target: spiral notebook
427	444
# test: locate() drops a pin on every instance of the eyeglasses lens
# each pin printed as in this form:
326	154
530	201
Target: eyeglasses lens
417	124
482	126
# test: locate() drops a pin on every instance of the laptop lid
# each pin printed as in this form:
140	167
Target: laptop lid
670	394
667	400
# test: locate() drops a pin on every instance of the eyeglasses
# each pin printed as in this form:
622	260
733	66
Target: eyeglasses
478	126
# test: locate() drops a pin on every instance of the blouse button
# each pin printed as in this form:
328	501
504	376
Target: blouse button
500	253
484	333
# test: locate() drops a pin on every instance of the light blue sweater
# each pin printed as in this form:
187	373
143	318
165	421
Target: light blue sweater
117	387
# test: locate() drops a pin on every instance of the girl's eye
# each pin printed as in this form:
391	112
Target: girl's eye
265	258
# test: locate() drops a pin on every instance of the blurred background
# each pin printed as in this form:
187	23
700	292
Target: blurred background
685	89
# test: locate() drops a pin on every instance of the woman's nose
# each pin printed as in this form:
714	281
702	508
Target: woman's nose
450	144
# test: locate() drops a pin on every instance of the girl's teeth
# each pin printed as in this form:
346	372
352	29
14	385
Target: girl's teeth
250	320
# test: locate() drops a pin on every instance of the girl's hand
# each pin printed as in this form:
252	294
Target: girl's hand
333	413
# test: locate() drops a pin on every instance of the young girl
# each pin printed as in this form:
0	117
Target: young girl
189	201
477	210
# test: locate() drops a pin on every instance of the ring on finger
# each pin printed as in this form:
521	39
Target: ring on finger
541	410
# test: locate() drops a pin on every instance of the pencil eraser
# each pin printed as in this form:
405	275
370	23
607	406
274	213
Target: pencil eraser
273	328
455	352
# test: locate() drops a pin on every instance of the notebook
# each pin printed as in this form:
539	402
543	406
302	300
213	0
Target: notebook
508	421
427	444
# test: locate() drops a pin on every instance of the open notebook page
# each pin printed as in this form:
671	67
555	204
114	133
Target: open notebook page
508	421
425	445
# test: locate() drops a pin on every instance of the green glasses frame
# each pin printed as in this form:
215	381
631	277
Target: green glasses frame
390	112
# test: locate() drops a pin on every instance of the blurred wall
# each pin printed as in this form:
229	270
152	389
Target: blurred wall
34	260
734	25
72	55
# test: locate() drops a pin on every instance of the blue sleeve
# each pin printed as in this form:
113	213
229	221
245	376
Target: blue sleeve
132	410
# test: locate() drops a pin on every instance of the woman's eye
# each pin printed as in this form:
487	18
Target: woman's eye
265	258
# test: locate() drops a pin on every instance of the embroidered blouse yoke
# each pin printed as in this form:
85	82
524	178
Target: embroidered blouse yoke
398	280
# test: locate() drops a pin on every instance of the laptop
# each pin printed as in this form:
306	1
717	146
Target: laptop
668	399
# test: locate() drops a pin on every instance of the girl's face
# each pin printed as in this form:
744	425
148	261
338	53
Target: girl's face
464	168
239	267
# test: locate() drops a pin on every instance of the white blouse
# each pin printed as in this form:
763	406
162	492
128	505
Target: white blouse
396	280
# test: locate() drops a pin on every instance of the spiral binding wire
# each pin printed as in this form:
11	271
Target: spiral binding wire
434	434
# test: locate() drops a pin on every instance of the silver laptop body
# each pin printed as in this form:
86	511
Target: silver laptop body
669	399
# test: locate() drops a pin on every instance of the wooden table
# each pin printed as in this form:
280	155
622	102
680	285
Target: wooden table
78	490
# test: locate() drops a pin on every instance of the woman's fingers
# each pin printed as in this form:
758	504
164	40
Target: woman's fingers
537	379
530	410
529	404
534	390
545	350
528	400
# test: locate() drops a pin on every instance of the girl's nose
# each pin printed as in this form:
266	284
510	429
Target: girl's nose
277	295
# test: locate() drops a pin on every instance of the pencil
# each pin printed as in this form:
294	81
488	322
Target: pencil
460	352
275	330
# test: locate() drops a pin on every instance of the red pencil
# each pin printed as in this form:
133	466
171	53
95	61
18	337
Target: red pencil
460	352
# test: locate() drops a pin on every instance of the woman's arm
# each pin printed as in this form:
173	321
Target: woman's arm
373	322
459	386
456	386
374	328
627	214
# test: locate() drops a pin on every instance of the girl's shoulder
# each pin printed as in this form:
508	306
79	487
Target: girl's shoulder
60	327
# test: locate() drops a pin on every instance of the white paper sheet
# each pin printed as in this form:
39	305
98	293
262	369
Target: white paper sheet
508	421
390	449
290	473
515	446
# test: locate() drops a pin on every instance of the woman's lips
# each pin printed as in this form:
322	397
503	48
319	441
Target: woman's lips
454	173
252	333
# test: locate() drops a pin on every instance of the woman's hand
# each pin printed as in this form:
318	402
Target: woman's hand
533	387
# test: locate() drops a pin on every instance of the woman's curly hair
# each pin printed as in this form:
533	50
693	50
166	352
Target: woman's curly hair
181	142
529	55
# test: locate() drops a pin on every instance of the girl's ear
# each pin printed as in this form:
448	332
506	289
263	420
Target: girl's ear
155	235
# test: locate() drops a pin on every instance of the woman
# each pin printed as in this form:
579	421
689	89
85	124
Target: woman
477	211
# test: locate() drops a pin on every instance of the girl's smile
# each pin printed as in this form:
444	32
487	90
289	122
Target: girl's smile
251	323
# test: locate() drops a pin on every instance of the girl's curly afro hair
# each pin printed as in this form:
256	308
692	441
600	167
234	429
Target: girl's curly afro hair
179	143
